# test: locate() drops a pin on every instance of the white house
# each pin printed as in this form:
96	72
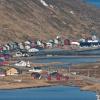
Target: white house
36	69
49	44
27	42
56	41
21	63
33	50
21	46
18	54
27	47
39	43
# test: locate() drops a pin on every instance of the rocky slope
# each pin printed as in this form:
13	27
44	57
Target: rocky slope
22	19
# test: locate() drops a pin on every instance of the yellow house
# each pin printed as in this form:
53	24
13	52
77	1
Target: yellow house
12	71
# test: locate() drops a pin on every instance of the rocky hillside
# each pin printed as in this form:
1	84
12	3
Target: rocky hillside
22	19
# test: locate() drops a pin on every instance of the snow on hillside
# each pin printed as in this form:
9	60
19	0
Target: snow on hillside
44	3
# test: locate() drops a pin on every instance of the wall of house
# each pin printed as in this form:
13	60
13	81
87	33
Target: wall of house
12	71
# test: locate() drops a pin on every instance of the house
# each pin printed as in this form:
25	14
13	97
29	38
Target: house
66	42
90	42
49	45
57	76
42	75
39	43
4	47
4	63
27	42
2	58
6	56
21	46
15	46
56	41
27	47
5	52
10	45
22	64
1	62
18	54
1	48
36	75
36	69
2	72
12	71
33	45
7	47
33	50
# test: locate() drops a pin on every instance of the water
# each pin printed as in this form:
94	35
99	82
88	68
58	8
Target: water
70	59
61	92
94	2
66	59
48	93
54	93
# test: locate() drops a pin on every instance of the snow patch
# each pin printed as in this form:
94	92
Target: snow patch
44	3
72	12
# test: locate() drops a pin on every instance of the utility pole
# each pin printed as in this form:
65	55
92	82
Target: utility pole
88	73
69	69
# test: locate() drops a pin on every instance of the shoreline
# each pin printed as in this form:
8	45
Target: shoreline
43	86
42	83
14	86
20	88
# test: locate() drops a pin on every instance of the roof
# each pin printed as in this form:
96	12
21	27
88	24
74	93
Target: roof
8	68
2	70
1	60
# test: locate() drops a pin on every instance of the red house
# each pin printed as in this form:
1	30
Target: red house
66	42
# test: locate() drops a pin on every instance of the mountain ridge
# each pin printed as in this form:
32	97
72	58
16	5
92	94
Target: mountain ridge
23	19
